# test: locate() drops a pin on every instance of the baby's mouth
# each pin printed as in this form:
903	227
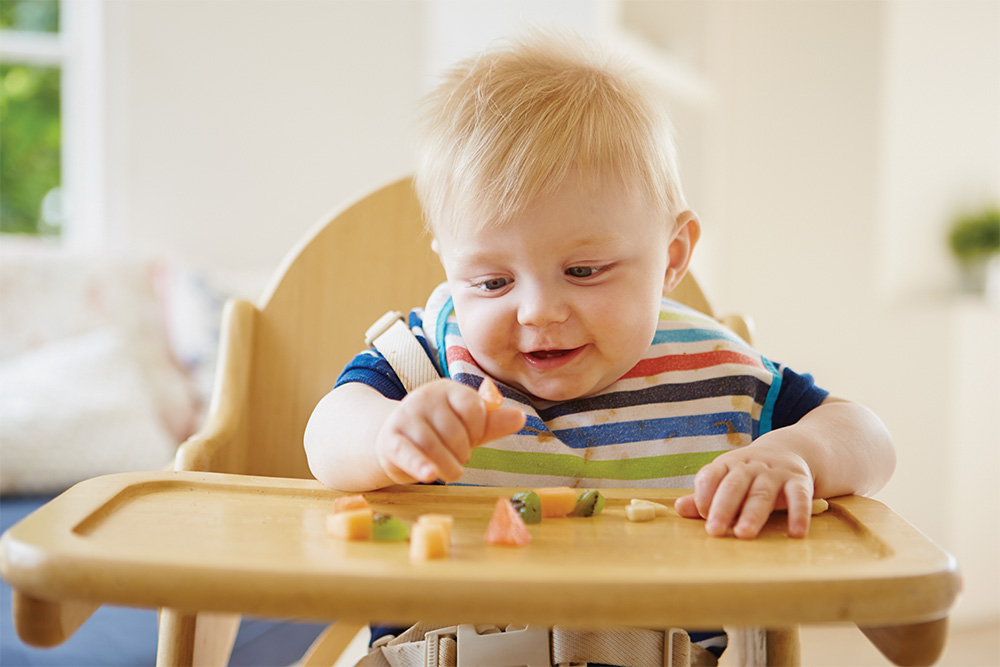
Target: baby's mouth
549	354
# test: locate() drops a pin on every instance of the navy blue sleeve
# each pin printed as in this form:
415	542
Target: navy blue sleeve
372	369
797	396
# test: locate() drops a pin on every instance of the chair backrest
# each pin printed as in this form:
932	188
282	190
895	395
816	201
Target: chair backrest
368	258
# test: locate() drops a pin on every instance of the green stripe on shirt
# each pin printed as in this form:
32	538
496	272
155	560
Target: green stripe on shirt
567	465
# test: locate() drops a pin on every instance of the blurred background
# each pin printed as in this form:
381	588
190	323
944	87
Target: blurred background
844	158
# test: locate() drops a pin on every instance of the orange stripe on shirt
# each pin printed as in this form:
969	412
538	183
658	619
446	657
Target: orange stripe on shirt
690	362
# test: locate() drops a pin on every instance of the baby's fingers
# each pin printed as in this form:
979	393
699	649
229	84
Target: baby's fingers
404	463
501	422
757	507
798	495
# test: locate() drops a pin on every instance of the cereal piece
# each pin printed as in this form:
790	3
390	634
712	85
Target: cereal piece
819	506
557	501
661	510
446	521
355	502
490	394
507	527
428	541
640	512
355	524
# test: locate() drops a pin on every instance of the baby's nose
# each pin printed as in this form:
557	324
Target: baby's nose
542	307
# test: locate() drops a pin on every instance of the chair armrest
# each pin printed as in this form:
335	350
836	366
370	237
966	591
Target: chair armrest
220	445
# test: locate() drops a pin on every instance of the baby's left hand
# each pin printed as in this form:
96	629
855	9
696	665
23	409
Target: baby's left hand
741	488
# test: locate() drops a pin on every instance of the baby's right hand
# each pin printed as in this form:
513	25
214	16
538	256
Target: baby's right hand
432	433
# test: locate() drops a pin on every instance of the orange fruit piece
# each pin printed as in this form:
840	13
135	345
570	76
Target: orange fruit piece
428	540
490	394
507	527
353	524
356	502
557	501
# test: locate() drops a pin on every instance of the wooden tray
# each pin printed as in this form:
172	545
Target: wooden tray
257	545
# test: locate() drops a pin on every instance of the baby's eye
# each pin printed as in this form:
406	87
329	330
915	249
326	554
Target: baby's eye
583	271
493	284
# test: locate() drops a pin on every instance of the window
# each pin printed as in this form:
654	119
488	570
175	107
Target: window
52	140
31	64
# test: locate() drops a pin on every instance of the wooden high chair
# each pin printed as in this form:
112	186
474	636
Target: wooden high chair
237	527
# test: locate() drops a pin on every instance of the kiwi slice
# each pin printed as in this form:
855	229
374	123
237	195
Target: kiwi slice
528	505
589	503
386	528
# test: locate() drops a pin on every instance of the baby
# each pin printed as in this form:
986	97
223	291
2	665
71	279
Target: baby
547	176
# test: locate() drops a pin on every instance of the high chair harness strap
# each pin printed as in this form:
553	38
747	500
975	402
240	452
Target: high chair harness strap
476	646
393	339
424	645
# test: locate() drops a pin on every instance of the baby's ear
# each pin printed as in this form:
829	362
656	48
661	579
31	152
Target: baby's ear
687	231
435	246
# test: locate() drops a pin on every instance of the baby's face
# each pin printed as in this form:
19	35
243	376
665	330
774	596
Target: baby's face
563	299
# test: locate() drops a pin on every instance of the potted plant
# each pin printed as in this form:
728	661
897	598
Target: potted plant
974	239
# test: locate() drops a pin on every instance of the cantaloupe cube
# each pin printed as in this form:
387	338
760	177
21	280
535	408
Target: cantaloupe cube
557	501
354	502
427	541
446	521
353	524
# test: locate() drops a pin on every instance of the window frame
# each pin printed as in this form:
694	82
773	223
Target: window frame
78	51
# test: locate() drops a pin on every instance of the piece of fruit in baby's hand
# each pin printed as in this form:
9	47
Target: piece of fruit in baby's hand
819	506
490	394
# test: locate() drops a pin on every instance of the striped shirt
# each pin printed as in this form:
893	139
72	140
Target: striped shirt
698	391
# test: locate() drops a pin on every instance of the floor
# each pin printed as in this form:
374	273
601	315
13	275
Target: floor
845	646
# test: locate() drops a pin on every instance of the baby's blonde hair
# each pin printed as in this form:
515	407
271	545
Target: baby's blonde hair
510	124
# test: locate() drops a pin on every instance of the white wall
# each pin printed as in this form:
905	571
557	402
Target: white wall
236	125
826	148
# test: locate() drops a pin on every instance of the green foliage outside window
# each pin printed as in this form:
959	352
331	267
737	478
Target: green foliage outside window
30	134
29	147
34	15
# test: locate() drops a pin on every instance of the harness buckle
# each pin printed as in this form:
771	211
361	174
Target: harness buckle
525	647
382	325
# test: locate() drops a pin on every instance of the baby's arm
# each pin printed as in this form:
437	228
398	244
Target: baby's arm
359	440
837	448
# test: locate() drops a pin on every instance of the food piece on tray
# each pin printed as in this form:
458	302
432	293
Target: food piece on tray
660	509
428	541
444	520
354	524
386	528
819	506
354	502
588	503
490	394
528	505
557	501
640	512
507	527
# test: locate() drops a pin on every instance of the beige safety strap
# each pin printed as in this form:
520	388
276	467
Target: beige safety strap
633	647
393	339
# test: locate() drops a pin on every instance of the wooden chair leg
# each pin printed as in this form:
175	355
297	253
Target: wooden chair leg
917	644
44	623
331	644
193	640
783	647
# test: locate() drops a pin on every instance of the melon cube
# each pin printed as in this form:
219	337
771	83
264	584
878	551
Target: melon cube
353	524
428	541
446	521
557	501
